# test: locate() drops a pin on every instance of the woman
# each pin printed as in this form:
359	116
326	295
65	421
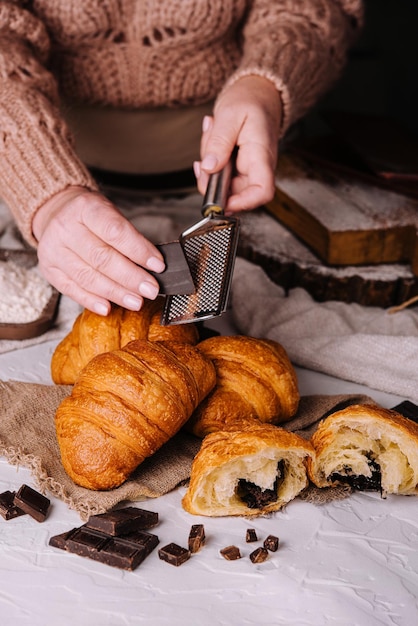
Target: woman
249	68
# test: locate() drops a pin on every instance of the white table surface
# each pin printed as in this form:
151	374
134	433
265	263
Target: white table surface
352	562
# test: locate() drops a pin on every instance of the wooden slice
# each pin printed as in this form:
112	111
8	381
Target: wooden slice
345	221
289	262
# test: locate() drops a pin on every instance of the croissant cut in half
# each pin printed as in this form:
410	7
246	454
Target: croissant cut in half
247	472
368	448
93	334
125	405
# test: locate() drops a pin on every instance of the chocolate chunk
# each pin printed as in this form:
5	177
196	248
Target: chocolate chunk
8	509
251	535
231	553
271	543
254	496
122	521
174	554
32	502
259	555
125	552
197	537
360	482
407	409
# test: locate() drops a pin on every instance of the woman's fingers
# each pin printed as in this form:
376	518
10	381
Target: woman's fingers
247	115
90	252
90	288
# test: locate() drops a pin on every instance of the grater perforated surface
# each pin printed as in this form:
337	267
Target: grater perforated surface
210	251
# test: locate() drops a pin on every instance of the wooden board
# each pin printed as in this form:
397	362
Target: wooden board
345	221
290	263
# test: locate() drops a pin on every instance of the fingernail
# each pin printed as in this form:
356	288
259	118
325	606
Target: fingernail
132	303
148	290
196	168
209	162
101	309
206	123
155	264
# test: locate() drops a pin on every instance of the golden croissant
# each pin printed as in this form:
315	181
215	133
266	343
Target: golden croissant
255	380
251	471
125	405
94	334
368	448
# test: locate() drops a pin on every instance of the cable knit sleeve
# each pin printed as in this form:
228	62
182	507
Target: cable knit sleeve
37	157
301	46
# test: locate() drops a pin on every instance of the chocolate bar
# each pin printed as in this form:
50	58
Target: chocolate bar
8	509
122	521
251	535
231	553
105	549
125	551
174	554
259	555
271	543
196	537
32	502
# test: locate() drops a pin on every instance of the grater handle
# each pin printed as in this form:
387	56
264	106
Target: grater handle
217	191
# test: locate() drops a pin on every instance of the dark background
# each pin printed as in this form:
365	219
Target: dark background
381	76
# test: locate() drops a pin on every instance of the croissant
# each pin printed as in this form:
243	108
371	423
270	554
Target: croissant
248	472
94	334
368	448
255	380
125	405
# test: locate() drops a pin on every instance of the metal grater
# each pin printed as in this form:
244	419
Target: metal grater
210	249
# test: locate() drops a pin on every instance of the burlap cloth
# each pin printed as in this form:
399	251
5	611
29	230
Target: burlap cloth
27	438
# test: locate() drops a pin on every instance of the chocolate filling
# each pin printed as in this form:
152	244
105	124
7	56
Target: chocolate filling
254	496
360	482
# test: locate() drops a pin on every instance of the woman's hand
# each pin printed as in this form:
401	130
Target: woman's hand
90	252
248	115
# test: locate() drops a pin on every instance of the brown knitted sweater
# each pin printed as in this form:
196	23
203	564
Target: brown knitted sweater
141	54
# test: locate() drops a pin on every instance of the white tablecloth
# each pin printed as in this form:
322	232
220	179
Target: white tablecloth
353	562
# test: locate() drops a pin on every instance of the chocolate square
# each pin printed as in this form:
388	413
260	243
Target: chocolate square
122	521
86	542
8	509
141	539
60	541
174	554
121	554
32	502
